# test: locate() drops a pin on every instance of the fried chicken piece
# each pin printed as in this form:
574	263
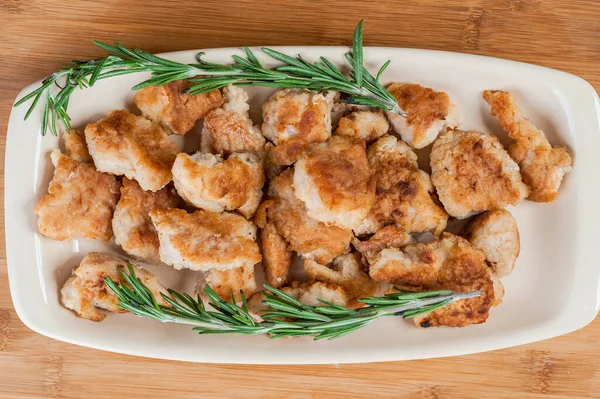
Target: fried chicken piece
132	225
388	237
75	147
496	234
449	263
428	113
310	238
404	194
365	125
177	113
204	240
271	169
210	183
346	271
276	257
293	119
335	182
307	293
80	201
133	146
229	129
227	283
542	166
472	172
85	291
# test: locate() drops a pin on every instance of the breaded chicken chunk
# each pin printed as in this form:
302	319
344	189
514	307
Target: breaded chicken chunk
391	236
308	237
307	293
346	271
175	111
204	240
365	125
132	225
293	119
75	147
85	291
229	129
276	257
450	263
428	113
80	201
211	183
496	234
542	166
404	194
472	172
227	283
335	182
133	146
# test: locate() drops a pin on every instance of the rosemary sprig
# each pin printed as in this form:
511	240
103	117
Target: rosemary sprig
361	86
286	316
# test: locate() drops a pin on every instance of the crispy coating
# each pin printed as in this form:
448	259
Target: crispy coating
472	173
542	166
447	263
177	113
229	129
227	283
404	194
496	234
346	271
277	258
85	291
428	113
365	125
80	201
75	147
133	146
211	183
132	225
310	238
335	182
204	240
391	236
293	119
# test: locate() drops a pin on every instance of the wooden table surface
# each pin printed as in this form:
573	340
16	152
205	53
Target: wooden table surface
38	36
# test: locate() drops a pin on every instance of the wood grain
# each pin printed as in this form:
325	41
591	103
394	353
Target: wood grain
37	36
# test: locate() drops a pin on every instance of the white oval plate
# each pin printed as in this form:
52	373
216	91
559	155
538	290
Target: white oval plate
553	290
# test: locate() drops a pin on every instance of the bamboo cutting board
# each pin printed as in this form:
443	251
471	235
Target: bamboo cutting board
38	36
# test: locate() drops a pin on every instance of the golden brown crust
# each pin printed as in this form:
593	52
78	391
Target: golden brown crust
347	272
80	201
364	125
177	113
204	240
472	172
423	106
226	283
230	132
277	258
392	236
85	290
404	194
293	119
132	225
449	263
208	182
125	144
311	239
75	147
542	166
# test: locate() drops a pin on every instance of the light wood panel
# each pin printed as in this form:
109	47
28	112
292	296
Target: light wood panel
37	36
